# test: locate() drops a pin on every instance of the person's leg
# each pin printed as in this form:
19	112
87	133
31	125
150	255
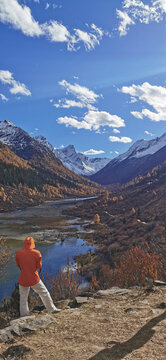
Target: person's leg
24	291
42	291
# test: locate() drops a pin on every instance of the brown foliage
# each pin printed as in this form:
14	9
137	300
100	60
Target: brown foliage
65	284
136	267
106	196
96	219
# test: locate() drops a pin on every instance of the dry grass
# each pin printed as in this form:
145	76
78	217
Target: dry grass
110	328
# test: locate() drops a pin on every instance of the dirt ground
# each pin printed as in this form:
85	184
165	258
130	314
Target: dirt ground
131	326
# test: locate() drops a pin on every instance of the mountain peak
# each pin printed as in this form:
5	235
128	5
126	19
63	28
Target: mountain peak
7	123
68	148
139	159
76	162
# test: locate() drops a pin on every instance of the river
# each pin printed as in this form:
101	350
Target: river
56	236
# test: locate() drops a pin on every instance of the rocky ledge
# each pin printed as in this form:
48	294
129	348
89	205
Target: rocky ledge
112	325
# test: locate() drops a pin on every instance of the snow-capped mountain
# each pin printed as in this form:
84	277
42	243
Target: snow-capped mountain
35	165
19	140
77	162
42	140
141	157
144	147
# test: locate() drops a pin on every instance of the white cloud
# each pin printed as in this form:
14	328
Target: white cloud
19	16
81	92
137	10
84	96
148	133
56	32
93	120
123	139
137	114
47	6
154	96
70	121
98	30
133	99
51	100
125	21
3	97
117	152
162	5
90	39
99	119
66	104
18	88
93	152
6	77
116	131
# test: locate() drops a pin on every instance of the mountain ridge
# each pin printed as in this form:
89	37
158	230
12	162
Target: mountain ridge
75	161
139	159
31	173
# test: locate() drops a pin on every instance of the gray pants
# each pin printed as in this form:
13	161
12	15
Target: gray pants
40	289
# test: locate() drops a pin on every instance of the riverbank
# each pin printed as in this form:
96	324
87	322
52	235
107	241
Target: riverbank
57	237
45	222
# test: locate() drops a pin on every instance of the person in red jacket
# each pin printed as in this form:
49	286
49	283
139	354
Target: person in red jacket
29	261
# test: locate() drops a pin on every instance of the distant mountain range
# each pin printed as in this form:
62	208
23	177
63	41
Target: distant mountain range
26	162
64	164
141	158
76	162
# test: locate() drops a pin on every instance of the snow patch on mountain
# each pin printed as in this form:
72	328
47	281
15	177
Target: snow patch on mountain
143	147
7	132
76	162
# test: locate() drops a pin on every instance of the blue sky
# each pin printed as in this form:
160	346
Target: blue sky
87	73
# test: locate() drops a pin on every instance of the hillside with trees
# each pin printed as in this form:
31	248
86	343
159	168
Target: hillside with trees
130	217
42	177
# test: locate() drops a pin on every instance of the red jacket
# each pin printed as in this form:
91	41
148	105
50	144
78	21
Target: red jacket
29	261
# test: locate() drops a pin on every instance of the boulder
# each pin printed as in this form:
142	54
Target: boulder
78	301
112	291
159	283
25	324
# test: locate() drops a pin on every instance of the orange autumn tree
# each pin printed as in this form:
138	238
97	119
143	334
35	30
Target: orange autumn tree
96	219
136	267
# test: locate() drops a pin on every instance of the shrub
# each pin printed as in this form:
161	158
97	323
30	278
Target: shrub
65	284
136	267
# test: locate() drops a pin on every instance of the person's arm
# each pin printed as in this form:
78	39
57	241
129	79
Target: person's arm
39	263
